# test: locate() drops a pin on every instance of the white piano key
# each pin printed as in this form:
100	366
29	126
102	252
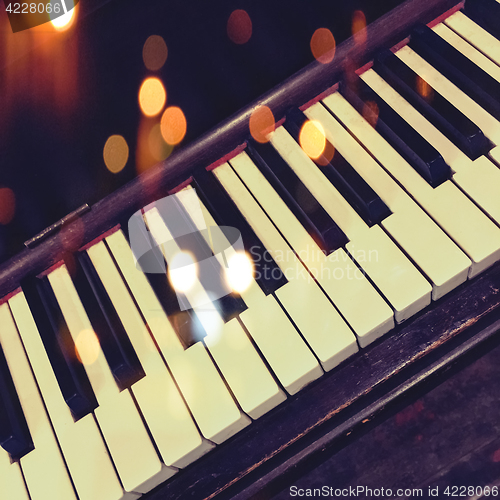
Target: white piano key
164	411
127	439
457	215
435	254
474	34
402	284
263	318
44	469
206	395
11	478
478	178
468	50
87	459
487	123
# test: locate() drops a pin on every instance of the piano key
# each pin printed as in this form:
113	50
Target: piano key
395	276
267	273
135	457
159	400
299	200
475	35
85	453
350	184
489	125
377	317
447	118
43	468
207	398
60	347
477	178
458	69
12	479
330	338
265	321
486	13
446	266
14	433
115	344
457	215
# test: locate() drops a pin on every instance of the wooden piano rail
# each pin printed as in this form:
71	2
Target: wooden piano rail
295	91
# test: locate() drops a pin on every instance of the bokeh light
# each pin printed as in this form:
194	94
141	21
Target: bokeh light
262	124
87	347
370	112
312	139
64	22
158	148
323	45
173	125
154	52
239	272
152	96
239	27
182	271
358	28
424	89
115	153
7	205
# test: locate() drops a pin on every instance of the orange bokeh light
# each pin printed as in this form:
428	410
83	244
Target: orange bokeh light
154	52
423	88
323	45
152	96
115	153
262	124
358	28
64	22
239	27
312	139
7	205
371	112
173	125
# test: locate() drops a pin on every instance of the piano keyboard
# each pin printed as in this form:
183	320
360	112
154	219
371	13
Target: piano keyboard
109	389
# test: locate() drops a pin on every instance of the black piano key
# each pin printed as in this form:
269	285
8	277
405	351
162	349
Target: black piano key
459	69
345	178
212	276
15	437
116	346
439	111
298	198
486	13
225	213
185	323
421	155
60	347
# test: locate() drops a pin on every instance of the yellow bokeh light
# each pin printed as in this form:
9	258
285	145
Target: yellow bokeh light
239	272
154	52
261	124
173	125
182	271
87	347
7	205
64	22
323	45
115	153
312	139
152	96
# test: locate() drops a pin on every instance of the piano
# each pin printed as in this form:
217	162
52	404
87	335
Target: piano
365	192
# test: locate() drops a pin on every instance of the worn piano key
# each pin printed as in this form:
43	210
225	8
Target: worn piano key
391	271
299	200
446	117
14	433
472	231
81	443
60	347
135	458
265	321
115	344
338	171
329	337
446	266
346	286
267	273
43	468
486	13
12	479
423	157
445	56
478	178
157	396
